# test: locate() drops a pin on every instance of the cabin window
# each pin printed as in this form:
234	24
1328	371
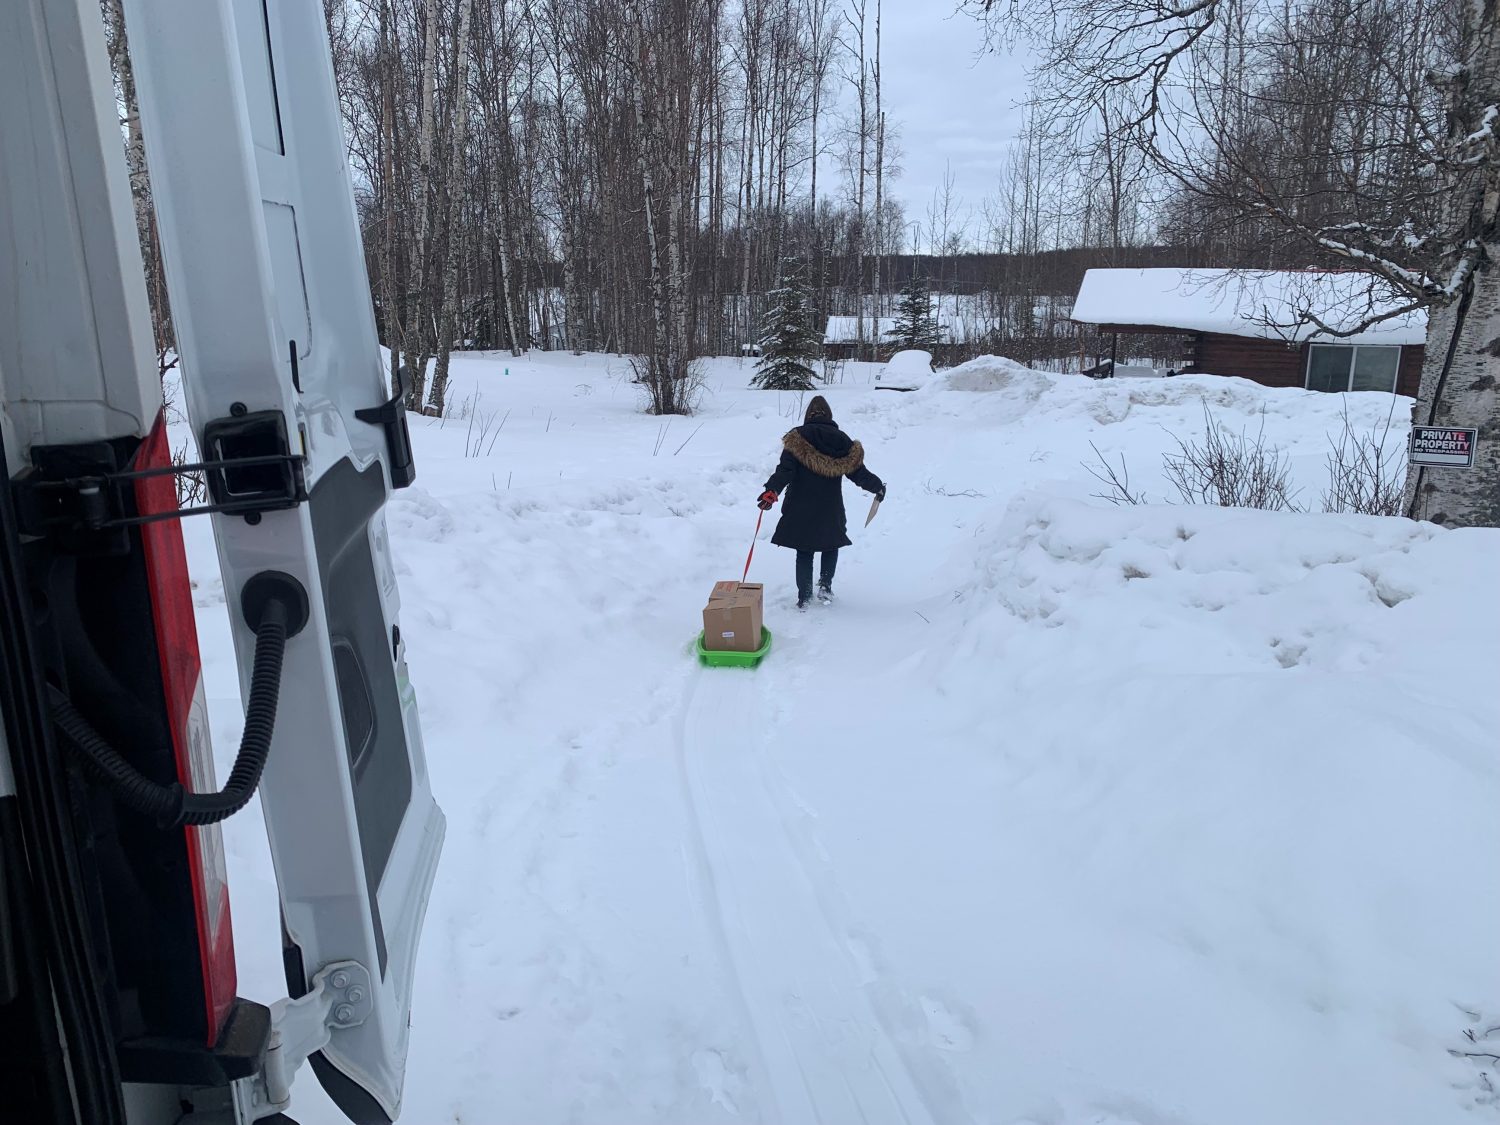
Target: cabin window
1347	367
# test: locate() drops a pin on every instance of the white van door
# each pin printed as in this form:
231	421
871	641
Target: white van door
284	379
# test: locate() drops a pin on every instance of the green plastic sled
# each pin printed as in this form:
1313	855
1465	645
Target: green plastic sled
711	658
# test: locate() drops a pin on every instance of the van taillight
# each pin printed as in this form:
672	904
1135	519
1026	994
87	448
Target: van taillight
187	711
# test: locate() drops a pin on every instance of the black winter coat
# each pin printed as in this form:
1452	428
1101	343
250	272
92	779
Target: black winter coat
814	462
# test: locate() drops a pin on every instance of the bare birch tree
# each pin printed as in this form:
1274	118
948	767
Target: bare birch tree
416	345
457	184
1390	165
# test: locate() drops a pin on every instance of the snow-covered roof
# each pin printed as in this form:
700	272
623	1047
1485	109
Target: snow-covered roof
1266	304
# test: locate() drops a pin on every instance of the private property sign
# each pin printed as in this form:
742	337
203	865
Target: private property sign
1443	446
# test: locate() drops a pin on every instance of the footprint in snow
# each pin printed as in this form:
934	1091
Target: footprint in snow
949	1032
864	960
723	1084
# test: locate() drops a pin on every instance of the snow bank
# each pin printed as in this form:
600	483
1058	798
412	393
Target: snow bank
1256	591
1075	393
1045	427
1225	739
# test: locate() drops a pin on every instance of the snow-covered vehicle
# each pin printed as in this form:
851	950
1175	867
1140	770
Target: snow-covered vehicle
119	997
905	371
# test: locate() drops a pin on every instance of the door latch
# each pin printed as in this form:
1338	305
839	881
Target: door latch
391	417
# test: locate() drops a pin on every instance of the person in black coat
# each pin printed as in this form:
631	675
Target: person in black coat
815	459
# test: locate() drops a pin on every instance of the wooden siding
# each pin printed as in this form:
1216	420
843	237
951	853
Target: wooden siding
1268	362
1409	378
1275	364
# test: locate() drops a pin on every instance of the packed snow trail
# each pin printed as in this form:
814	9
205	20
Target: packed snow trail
825	1056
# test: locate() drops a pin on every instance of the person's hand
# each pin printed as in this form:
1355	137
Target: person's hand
767	498
880	496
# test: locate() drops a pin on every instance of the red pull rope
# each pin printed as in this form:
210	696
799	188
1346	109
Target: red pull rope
751	555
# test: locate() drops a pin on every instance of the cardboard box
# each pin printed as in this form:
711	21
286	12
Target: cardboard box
733	617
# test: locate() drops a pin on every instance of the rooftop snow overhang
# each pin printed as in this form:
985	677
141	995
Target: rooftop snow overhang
1259	304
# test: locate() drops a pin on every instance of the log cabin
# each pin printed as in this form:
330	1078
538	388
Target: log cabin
1318	329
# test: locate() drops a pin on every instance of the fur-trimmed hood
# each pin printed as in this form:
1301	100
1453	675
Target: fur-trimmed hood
824	449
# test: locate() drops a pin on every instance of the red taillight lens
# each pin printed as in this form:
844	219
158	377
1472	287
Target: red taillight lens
182	682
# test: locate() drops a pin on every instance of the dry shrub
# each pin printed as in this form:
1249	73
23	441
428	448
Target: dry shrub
1363	475
673	384
1231	470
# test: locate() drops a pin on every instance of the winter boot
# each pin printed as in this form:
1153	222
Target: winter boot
825	593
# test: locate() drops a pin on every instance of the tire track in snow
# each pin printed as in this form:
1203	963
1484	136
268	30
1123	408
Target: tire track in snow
824	1054
931	1019
707	891
922	1027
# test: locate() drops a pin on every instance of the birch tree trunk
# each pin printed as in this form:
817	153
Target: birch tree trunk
661	316
507	303
388	289
815	254
715	197
680	106
879	231
1464	393
417	345
457	184
577	328
569	198
502	211
752	17
861	233
677	281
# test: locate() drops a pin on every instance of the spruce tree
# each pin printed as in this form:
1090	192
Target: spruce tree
788	344
916	326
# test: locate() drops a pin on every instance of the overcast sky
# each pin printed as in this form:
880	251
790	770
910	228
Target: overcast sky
953	105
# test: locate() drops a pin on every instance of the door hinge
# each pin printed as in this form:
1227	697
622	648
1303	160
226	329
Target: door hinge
340	998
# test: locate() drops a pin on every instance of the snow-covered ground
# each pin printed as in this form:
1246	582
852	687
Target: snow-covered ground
1064	814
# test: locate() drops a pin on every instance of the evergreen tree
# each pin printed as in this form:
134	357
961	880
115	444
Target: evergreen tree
788	344
916	325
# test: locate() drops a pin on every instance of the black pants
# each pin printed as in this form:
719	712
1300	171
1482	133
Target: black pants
805	571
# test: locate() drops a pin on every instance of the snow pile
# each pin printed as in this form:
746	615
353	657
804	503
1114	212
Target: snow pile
1201	591
912	361
989	373
1063	814
907	370
1034	427
1112	399
1250	569
1257	751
